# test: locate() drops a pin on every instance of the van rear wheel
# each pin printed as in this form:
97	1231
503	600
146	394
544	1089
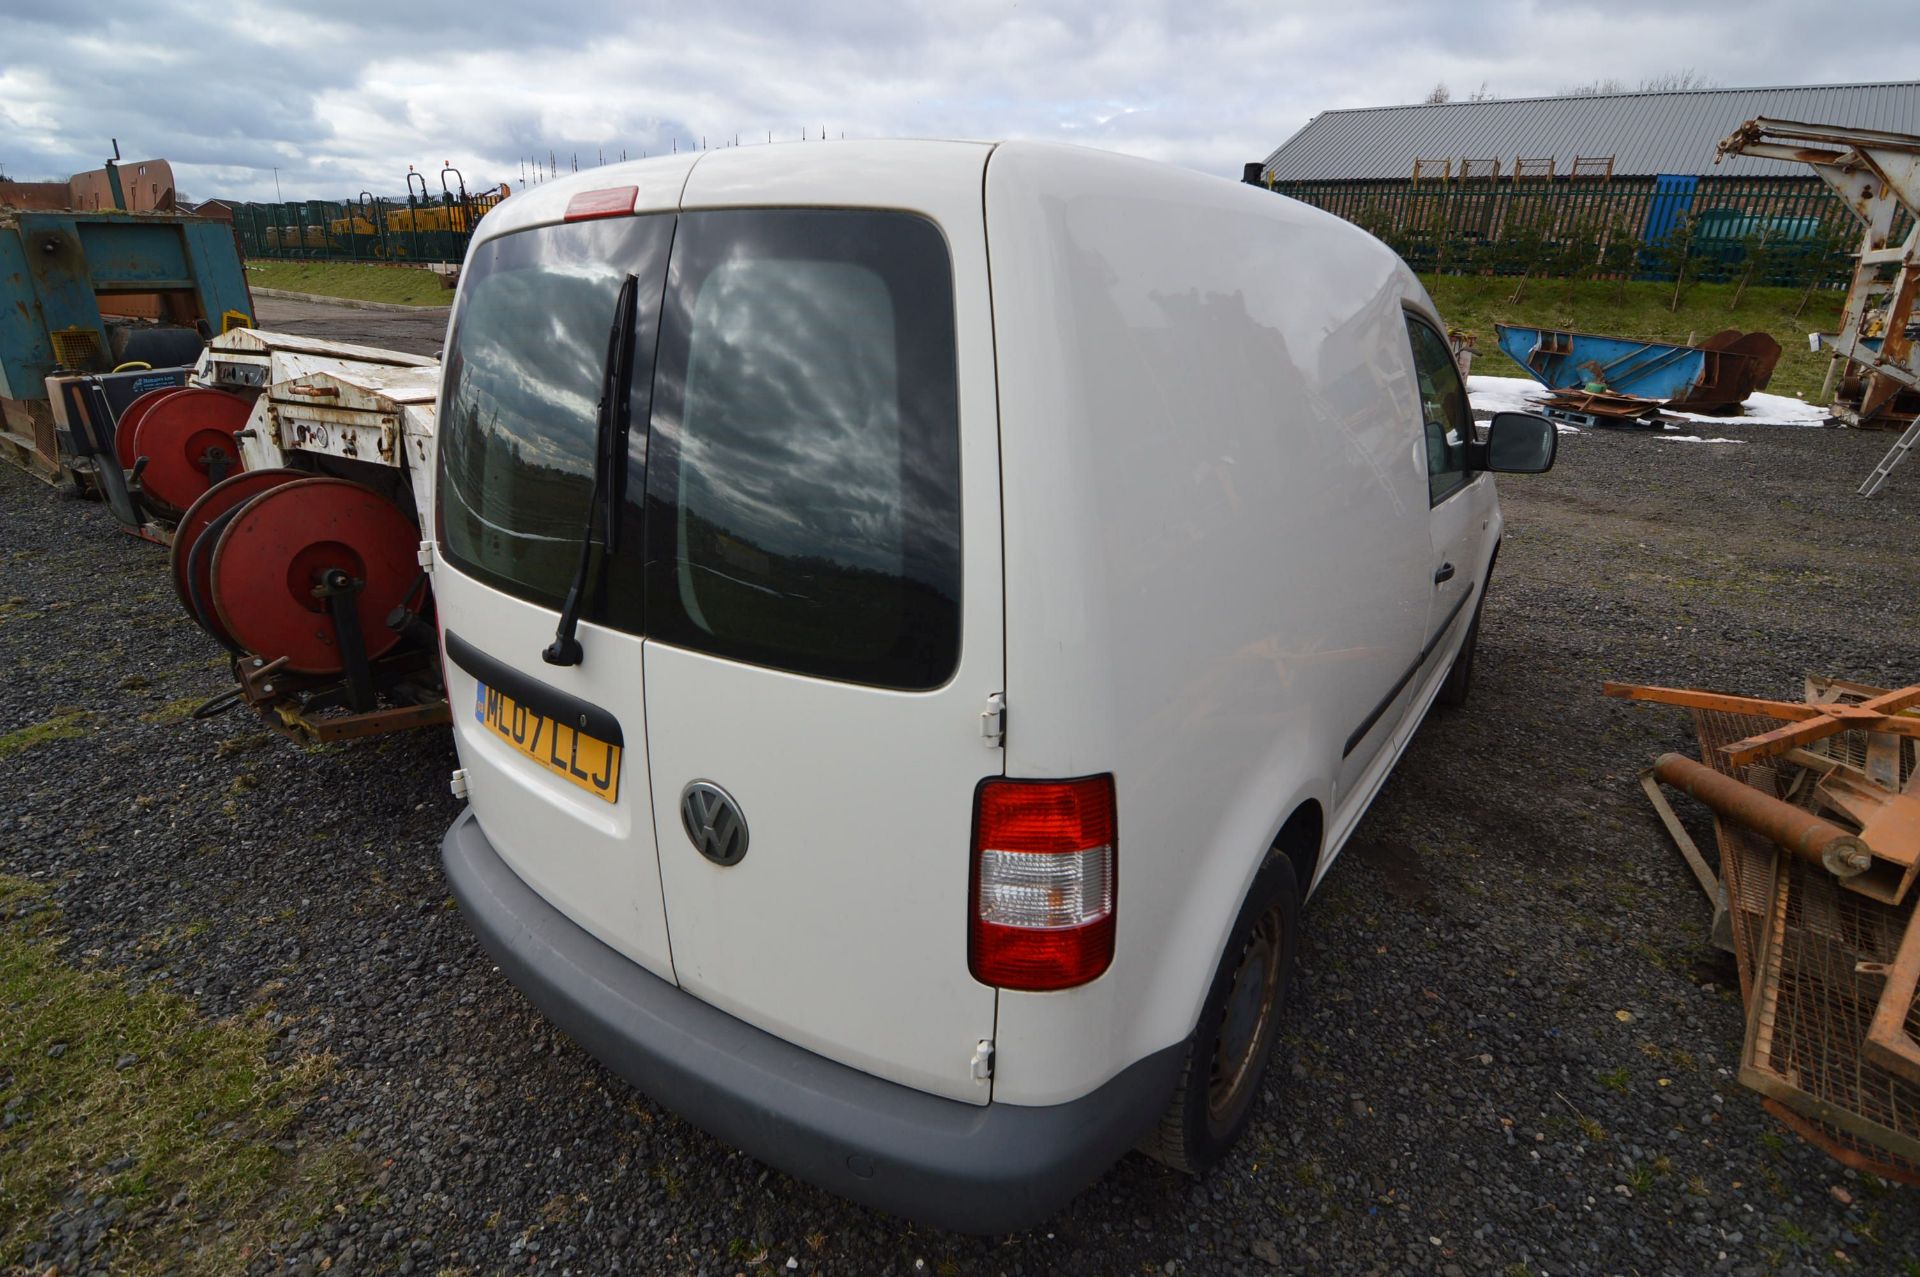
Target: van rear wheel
1213	1102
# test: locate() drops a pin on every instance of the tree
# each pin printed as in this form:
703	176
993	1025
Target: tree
1674	81
1829	251
1593	88
1482	94
1577	254
1675	254
1619	256
1523	242
1764	253
1438	94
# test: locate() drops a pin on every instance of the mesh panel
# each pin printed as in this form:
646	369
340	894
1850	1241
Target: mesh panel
1798	938
76	347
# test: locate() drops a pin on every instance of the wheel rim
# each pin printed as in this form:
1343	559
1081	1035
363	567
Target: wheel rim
1248	1020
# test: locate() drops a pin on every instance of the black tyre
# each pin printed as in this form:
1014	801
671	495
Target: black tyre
1213	1102
1459	681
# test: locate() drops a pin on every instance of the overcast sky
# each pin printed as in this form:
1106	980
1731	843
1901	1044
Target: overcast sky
342	96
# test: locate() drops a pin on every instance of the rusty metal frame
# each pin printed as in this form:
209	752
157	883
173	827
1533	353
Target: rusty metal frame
1828	976
1807	723
1889	1042
289	703
1762	1013
1721	931
1876	174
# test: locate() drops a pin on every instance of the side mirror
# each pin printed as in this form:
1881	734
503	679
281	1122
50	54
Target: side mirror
1518	443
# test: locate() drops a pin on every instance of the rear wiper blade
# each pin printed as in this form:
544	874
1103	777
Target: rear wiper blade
613	424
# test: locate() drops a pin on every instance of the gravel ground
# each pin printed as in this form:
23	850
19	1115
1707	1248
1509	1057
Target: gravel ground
417	332
1457	1091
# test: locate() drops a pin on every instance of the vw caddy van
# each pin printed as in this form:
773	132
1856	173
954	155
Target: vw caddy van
920	617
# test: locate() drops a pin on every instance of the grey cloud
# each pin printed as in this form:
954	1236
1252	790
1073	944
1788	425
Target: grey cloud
344	96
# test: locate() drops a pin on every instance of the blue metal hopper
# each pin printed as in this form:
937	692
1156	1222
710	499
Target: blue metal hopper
1714	376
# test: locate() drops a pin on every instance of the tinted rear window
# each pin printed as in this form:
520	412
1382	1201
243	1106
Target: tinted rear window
524	371
803	486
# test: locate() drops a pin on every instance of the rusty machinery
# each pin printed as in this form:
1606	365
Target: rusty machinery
305	563
290	476
1816	807
98	274
1877	176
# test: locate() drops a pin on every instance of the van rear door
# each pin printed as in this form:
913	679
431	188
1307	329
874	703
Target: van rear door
824	615
519	420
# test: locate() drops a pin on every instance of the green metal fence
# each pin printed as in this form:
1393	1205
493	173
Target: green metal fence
1791	230
371	229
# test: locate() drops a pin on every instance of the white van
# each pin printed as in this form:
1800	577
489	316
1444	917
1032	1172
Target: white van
920	617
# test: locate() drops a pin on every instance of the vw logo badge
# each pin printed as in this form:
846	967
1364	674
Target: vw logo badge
713	822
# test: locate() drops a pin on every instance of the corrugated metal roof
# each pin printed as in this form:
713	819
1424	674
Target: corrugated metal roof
1646	133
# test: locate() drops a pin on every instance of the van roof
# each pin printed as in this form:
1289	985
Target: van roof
661	180
852	173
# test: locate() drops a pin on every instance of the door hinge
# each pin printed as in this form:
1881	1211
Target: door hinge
993	720
425	555
983	1060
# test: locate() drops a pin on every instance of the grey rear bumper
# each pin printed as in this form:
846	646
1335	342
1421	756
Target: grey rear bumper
971	1168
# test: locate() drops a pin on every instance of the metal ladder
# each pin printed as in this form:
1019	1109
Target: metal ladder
1898	453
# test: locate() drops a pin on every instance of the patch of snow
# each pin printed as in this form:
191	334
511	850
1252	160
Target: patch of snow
1523	394
1763	409
1694	439
1505	394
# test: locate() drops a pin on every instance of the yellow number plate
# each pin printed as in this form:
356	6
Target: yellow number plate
586	761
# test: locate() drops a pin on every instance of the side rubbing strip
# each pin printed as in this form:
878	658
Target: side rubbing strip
1367	723
534	694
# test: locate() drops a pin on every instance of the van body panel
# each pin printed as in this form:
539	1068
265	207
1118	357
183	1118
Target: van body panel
592	859
657	185
517	415
844	928
1200	385
924	177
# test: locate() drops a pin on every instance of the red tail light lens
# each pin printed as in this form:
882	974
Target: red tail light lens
1044	882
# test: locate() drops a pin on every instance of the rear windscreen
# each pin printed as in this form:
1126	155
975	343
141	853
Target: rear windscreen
523	386
796	438
804	483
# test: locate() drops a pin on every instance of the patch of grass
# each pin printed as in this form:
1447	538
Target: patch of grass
1615	1078
1792	1232
174	711
69	725
135	1096
361	281
1476	302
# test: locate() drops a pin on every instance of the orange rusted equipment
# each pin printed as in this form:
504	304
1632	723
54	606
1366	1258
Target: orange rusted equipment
1809	722
1795	828
1818	828
1876	174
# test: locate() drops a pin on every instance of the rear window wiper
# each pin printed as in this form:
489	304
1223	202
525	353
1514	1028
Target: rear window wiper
613	423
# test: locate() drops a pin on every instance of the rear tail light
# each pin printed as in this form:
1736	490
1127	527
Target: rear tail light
1044	865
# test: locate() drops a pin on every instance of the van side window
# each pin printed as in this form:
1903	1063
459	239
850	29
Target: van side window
1443	411
803	487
